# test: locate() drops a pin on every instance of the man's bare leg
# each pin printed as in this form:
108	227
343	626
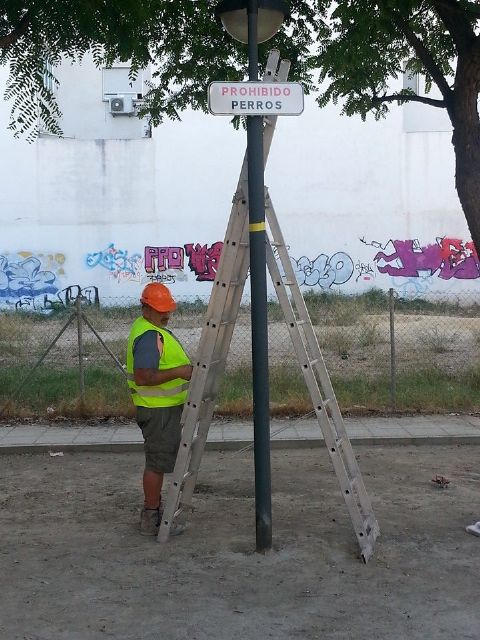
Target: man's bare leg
152	488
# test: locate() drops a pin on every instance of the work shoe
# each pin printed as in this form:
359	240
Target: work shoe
149	521
474	529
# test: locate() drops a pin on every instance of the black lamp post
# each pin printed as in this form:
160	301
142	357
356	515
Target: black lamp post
254	21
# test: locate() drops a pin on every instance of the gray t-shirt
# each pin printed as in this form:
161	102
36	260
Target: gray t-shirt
146	350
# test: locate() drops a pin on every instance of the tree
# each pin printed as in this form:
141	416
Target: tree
356	46
182	38
34	37
369	42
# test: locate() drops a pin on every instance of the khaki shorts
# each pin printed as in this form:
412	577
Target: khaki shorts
161	432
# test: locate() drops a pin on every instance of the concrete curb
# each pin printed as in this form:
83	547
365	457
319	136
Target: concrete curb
236	445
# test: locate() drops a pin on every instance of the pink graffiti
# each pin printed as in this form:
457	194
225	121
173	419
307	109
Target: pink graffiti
203	260
450	257
163	258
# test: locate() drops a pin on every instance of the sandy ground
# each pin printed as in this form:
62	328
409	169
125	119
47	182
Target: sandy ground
73	565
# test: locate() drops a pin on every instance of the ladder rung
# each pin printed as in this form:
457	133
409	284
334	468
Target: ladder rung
354	482
187	475
177	513
339	443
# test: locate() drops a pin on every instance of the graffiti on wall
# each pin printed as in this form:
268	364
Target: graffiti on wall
203	260
117	262
412	287
168	278
161	264
323	271
364	270
64	298
158	259
447	258
26	274
165	264
410	264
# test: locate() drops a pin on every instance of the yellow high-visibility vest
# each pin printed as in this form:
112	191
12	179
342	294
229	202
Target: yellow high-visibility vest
168	394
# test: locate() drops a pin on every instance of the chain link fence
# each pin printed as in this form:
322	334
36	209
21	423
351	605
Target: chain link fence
375	335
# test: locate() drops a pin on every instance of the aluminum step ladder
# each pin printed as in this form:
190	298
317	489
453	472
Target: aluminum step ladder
213	350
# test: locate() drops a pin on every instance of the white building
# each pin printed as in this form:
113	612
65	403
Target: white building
111	205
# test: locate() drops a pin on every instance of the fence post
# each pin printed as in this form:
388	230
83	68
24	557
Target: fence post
393	363
81	377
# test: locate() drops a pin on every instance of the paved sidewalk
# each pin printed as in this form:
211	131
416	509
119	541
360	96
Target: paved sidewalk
435	429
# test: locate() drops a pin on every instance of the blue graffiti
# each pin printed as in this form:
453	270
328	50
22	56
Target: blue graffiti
25	278
411	287
117	261
323	271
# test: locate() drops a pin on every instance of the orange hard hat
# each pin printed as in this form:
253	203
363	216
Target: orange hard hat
158	296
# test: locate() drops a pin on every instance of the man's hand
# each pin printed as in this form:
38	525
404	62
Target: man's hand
185	371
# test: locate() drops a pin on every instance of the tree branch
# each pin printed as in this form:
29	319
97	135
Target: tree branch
15	34
455	19
423	54
405	97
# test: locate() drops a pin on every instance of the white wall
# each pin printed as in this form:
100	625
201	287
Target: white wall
89	209
85	107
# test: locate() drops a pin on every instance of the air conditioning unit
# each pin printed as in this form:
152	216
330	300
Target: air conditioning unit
121	105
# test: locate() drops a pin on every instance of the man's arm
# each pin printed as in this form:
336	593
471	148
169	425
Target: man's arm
147	352
151	377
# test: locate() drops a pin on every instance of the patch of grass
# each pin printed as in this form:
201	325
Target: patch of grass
13	334
198	306
333	308
287	390
433	390
374	300
94	348
106	392
274	311
439	306
337	341
369	335
476	336
436	340
428	391
11	329
53	392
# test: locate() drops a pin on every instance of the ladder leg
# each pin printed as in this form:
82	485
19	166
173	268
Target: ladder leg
321	391
209	365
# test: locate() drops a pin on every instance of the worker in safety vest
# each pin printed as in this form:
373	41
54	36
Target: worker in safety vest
158	373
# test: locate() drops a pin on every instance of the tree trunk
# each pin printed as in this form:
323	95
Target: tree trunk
466	141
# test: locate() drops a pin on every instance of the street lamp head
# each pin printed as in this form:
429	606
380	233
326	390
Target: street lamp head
234	17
